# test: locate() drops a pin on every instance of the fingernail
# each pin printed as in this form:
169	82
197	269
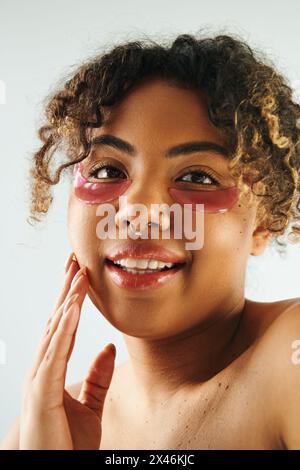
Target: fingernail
71	257
69	302
78	274
111	348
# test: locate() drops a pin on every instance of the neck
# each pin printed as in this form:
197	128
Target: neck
159	369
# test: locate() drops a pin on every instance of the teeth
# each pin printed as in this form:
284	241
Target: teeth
142	264
130	263
161	264
153	264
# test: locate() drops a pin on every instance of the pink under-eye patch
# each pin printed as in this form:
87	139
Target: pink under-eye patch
218	200
96	192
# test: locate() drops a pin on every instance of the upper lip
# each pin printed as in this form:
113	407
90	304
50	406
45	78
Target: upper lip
145	250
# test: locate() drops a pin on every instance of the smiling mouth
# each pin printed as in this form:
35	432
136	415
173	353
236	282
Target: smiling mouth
140	271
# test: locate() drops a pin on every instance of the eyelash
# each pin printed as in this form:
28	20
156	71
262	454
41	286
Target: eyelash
202	172
206	173
100	166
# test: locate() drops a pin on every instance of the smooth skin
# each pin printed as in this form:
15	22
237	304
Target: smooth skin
208	369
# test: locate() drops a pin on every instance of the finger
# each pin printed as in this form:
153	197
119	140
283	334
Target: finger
71	277
86	286
70	274
72	257
95	386
80	286
52	371
74	286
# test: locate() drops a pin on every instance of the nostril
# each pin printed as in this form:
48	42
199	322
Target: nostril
123	224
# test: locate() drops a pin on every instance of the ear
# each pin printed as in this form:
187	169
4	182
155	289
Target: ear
260	238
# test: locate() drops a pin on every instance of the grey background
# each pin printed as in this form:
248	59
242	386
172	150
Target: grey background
40	42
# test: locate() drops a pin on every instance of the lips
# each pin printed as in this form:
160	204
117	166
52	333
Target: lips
143	280
145	250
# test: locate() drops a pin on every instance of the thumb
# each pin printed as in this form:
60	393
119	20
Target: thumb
94	388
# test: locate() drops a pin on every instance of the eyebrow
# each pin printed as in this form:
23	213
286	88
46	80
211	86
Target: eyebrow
182	149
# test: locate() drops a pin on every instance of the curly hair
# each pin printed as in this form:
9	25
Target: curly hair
250	102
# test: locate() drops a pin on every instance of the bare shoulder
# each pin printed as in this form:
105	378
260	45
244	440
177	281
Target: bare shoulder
275	320
277	356
270	328
261	323
261	315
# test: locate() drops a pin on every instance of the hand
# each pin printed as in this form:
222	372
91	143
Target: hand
50	417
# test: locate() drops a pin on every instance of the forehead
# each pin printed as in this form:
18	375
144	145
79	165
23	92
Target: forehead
159	113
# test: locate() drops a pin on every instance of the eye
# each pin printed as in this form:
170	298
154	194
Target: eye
106	171
199	177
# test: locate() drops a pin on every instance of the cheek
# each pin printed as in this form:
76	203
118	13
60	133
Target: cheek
228	235
226	219
82	222
230	230
227	240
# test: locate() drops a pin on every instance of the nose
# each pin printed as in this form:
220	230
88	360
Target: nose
137	217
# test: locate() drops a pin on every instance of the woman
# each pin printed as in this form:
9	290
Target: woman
202	121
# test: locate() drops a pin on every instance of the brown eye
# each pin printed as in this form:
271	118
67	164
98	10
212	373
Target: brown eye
107	172
199	177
